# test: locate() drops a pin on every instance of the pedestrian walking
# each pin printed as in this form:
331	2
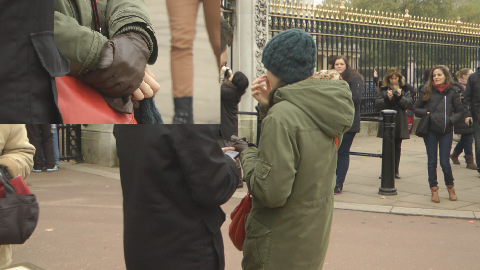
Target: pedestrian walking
16	159
290	174
183	15
395	94
440	99
357	87
109	44
174	180
466	131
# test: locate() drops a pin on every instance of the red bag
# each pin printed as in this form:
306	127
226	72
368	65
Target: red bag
410	118
236	230
79	103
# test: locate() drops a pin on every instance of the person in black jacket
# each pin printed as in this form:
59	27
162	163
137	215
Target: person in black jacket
174	179
232	90
357	86
472	102
465	130
395	94
440	99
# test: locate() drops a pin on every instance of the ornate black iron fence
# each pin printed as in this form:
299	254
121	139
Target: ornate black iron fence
379	40
70	142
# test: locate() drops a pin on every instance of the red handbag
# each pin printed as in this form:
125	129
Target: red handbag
79	103
236	230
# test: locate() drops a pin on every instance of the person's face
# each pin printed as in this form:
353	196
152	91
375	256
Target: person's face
224	56
438	77
393	80
465	77
340	66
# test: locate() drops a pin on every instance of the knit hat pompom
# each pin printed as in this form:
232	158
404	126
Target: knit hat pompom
291	55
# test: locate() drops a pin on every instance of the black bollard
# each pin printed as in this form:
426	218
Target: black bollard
388	154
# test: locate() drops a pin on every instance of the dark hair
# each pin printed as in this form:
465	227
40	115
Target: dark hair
429	85
240	81
389	74
426	73
226	34
274	90
349	72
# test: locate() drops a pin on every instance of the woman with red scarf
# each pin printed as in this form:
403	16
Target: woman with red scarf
440	98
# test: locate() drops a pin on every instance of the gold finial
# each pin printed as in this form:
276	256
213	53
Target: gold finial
342	7
458	22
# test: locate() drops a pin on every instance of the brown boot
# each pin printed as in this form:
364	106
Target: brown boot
451	193
435	197
470	163
454	157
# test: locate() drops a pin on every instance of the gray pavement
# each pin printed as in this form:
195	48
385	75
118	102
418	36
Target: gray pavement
81	224
206	98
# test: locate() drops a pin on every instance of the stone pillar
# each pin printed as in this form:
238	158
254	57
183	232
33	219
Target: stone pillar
250	36
98	145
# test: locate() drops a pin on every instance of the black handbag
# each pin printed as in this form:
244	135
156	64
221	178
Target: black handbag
18	210
422	127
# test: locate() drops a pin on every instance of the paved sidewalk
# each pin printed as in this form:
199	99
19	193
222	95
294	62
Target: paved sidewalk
360	191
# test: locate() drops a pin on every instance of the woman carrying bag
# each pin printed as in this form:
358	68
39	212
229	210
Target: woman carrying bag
439	99
290	175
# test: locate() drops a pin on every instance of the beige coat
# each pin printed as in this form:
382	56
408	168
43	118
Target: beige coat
17	155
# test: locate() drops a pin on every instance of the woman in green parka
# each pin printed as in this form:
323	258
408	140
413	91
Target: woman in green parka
292	172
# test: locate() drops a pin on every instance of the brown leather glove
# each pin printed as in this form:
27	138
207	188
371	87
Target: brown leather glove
122	65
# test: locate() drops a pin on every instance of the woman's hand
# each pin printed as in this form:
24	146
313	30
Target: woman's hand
148	88
261	89
225	149
389	94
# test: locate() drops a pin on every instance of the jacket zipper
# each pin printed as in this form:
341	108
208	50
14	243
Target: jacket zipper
445	110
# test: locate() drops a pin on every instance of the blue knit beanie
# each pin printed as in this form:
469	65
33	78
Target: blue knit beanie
291	55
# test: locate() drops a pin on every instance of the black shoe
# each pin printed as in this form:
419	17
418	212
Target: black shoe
337	190
183	110
397	176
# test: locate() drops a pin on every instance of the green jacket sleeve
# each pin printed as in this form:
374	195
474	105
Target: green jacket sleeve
270	170
80	44
131	15
77	39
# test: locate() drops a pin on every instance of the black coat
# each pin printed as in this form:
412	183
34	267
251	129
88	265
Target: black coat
174	179
29	62
461	127
230	98
472	96
399	104
357	86
445	109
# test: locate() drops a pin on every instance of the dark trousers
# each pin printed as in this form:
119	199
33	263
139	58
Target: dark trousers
41	137
465	143
476	134
442	142
398	151
343	160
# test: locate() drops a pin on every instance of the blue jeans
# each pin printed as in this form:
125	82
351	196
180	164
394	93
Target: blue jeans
465	143
433	142
343	160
